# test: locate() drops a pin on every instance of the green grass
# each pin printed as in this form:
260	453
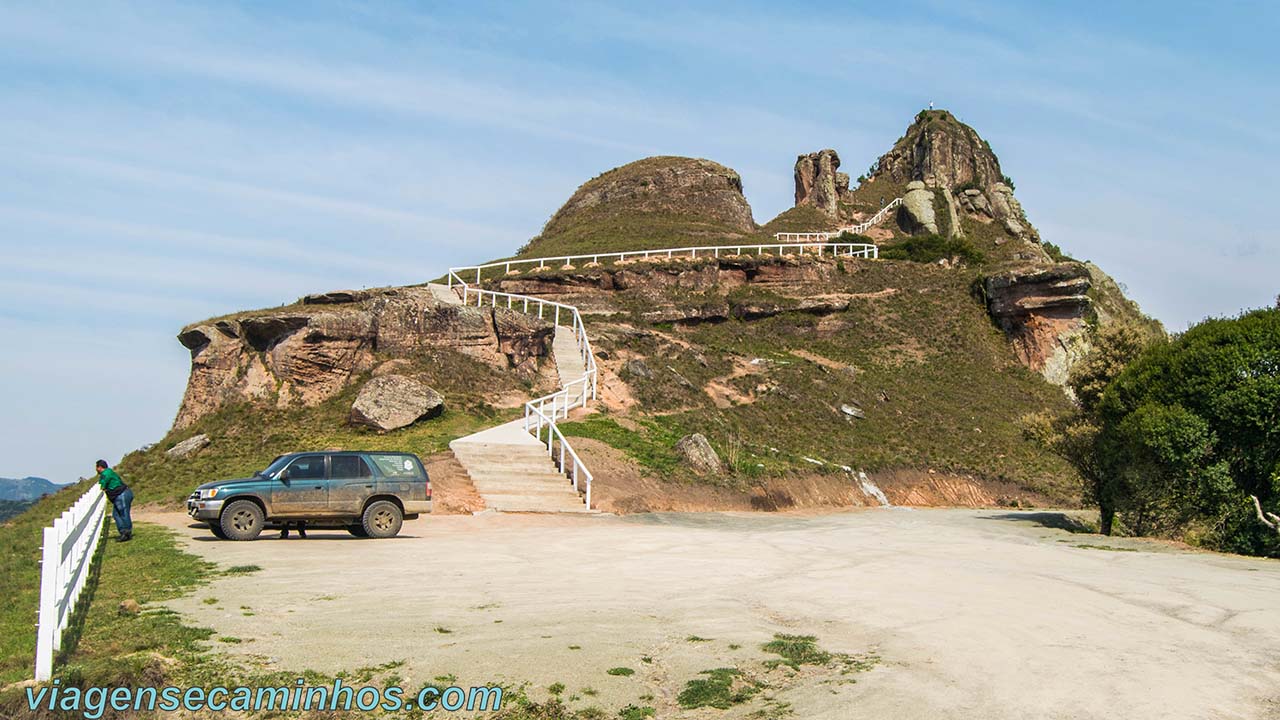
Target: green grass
721	688
110	648
621	671
938	382
651	446
245	438
20	541
242	570
797	650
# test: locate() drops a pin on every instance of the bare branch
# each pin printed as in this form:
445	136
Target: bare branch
1273	523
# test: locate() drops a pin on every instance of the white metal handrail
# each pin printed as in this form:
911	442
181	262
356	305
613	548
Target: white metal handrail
578	471
578	392
820	247
69	547
865	225
574	394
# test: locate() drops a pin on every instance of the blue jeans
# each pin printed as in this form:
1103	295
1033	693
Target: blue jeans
120	511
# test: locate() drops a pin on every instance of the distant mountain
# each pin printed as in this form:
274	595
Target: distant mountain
28	488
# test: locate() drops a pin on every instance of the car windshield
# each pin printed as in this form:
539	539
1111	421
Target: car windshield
276	466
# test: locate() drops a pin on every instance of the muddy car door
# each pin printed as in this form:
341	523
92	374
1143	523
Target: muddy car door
301	488
350	484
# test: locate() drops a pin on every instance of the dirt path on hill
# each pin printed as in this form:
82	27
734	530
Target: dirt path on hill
971	613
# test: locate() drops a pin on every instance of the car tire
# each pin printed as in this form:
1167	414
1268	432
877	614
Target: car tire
216	528
382	519
357	530
242	520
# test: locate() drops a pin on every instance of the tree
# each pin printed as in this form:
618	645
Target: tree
1075	436
1190	429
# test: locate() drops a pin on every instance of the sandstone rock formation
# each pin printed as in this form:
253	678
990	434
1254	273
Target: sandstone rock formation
633	206
698	454
305	354
939	148
391	402
188	446
917	209
949	155
818	183
1042	311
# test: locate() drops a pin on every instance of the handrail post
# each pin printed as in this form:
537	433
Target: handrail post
50	557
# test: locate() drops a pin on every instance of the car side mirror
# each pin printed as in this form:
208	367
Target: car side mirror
284	475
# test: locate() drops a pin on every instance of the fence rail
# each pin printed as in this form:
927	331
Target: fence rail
825	237
69	547
543	412
866	225
818	244
574	394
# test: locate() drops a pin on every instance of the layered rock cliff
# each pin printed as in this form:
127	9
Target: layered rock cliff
309	352
1042	310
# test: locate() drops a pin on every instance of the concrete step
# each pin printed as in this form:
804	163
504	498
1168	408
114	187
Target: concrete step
444	294
533	503
509	485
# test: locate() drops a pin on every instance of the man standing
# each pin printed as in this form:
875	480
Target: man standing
121	498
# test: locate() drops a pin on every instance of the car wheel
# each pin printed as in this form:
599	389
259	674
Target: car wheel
382	519
217	530
242	520
357	530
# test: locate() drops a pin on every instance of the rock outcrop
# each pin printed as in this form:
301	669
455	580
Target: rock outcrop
916	214
305	354
391	402
940	149
633	206
948	155
698	454
818	183
1042	311
188	447
942	154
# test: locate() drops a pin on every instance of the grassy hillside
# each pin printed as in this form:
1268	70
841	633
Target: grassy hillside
650	203
245	437
914	351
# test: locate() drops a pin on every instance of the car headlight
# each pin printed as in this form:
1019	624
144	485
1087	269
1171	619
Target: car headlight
209	494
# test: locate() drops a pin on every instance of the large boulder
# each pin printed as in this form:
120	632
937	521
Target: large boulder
391	402
698	454
187	447
917	209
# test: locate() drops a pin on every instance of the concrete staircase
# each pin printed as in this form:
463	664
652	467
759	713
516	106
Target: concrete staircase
513	473
509	467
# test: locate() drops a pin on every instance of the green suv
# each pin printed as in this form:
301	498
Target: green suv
369	494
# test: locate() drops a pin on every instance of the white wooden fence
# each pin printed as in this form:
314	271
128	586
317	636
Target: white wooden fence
69	548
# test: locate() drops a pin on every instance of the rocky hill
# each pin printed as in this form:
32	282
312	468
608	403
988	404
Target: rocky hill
798	369
655	202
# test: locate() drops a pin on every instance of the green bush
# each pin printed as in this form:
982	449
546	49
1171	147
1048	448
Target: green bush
932	248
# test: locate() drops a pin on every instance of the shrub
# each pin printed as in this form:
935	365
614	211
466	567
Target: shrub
932	248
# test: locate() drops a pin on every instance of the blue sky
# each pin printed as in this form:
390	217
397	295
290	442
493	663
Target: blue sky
165	163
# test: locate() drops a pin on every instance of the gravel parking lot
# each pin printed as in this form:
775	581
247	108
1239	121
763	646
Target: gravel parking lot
962	613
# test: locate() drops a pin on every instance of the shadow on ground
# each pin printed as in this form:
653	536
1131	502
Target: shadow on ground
1055	520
